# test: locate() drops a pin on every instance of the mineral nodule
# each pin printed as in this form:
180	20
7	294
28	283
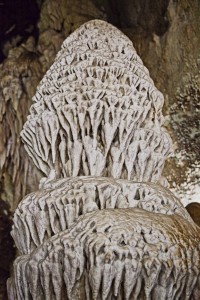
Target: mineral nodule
102	225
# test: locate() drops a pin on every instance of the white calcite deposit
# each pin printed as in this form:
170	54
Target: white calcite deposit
42	214
101	227
97	112
114	254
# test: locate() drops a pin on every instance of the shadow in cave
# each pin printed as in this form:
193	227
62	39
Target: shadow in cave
142	15
7	250
18	20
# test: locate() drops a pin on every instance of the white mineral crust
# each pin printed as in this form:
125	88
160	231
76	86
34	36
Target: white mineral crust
114	254
42	214
97	111
101	227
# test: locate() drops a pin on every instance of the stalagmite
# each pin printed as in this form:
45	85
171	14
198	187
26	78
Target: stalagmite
55	207
97	112
101	226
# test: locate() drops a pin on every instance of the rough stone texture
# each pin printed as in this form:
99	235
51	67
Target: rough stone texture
99	237
57	206
177	42
20	74
175	53
166	36
97	112
116	254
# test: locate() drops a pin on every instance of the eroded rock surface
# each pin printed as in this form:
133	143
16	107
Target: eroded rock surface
114	254
57	206
97	112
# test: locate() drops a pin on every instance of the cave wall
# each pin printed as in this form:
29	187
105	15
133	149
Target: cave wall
167	37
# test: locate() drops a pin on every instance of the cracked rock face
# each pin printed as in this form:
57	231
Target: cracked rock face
91	232
97	112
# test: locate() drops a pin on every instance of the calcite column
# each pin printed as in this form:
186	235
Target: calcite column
102	225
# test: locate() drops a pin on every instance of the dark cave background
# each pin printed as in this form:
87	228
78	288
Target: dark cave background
18	18
166	35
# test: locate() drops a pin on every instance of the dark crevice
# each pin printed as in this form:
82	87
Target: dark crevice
7	250
141	15
18	21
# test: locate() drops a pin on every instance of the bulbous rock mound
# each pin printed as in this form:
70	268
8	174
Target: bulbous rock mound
57	206
97	111
114	254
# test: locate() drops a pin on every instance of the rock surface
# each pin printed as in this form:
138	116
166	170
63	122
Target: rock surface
114	254
97	112
163	53
166	36
57	206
